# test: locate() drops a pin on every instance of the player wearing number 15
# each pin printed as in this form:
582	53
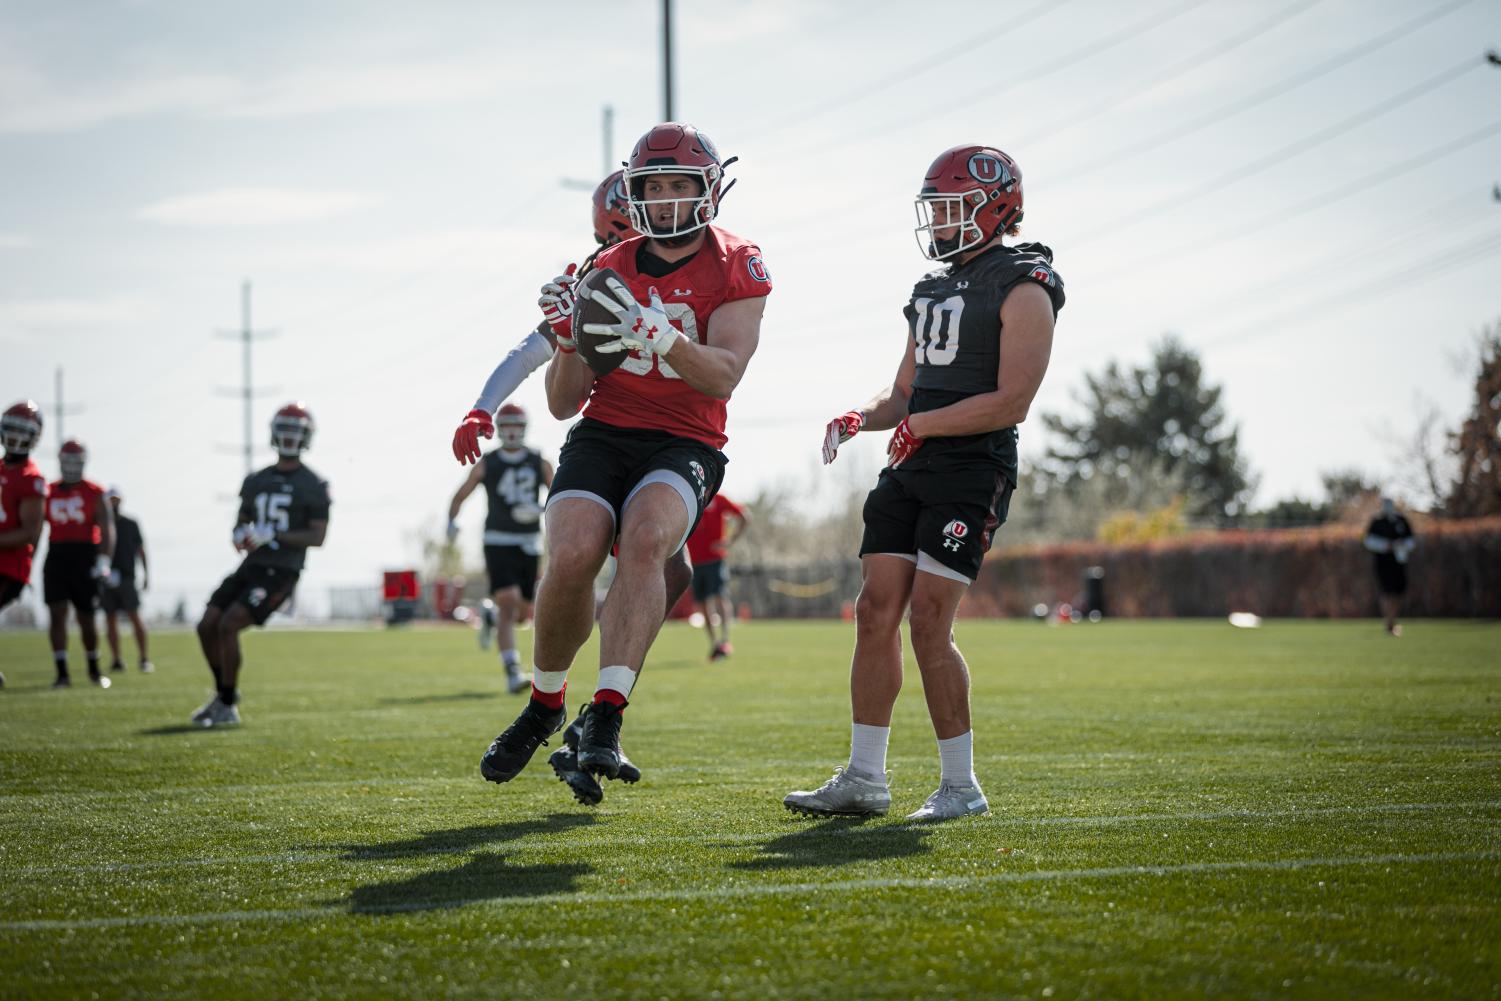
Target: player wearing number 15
283	513
979	335
645	459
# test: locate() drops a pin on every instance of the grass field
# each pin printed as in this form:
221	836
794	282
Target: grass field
1309	810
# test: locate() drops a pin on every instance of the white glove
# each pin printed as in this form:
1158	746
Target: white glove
101	569
453	530
636	327
558	302
238	536
251	537
113	580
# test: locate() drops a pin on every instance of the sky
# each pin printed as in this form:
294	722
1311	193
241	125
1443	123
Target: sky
1301	192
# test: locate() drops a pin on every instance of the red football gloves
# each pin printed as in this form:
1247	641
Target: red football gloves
476	424
557	302
903	443
840	430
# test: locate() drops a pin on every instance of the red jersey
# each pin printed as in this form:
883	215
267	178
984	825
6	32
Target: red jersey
704	543
644	392
17	483
72	510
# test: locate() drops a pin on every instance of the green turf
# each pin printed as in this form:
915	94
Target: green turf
1308	810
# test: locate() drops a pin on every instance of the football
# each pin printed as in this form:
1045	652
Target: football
588	311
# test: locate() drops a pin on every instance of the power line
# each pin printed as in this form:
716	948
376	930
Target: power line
906	73
1262	96
1020	78
1303	145
1323	199
1183	67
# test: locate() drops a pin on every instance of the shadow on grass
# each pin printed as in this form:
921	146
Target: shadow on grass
459	839
840	841
167	731
484	876
422	700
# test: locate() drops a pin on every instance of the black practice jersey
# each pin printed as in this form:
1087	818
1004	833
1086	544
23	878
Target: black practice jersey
127	548
1393	529
287	500
511	482
954	319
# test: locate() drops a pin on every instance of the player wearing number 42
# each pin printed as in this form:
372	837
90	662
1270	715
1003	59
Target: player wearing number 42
283	513
512	476
980	331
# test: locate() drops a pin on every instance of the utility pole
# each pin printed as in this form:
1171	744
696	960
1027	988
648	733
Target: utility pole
667	115
246	335
60	407
607	130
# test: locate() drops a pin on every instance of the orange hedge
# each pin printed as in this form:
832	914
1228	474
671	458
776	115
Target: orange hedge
1320	572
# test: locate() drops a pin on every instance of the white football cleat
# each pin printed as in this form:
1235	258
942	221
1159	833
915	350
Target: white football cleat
951	801
847	794
203	712
220	714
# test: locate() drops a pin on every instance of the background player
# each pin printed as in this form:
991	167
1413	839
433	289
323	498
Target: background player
1390	538
23	499
707	548
513	476
80	542
283	513
120	593
644	460
980	331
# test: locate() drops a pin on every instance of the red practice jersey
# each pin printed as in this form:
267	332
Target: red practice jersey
17	483
703	544
644	392
71	511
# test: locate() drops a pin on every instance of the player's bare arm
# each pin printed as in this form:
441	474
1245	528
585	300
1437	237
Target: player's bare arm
29	532
1026	346
474	479
547	474
716	367
568	383
104	517
883	411
306	538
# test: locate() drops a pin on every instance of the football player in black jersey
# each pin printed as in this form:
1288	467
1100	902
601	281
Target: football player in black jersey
979	334
612	223
512	475
283	513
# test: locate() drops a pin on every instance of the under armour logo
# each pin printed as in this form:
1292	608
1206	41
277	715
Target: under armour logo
682	291
951	544
962	286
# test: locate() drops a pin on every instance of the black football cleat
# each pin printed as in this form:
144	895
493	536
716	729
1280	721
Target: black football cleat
585	788
510	752
62	681
628	774
599	744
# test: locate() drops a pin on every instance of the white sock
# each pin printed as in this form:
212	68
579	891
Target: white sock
549	681
868	749
510	658
618	678
957	757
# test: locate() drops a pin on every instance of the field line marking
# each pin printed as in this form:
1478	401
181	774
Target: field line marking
646	840
761	890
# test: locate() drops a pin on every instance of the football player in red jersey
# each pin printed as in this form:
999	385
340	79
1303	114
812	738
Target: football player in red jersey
707	548
80	548
23	498
979	335
644	460
612	223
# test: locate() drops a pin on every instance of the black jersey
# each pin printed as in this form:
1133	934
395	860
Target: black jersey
128	545
289	501
1393	529
511	484
954	320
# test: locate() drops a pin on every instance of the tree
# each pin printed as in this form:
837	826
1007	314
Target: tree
1476	490
1165	410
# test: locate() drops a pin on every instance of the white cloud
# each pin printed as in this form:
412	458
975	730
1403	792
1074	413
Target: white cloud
252	207
476	249
51	316
345	88
14	241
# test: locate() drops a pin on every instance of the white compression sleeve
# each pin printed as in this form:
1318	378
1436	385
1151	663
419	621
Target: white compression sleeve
521	361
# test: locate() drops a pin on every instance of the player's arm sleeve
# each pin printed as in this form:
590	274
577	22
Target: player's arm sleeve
318	509
247	503
1041	271
748	275
532	353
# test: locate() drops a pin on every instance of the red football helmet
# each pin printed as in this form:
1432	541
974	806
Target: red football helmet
973	191
612	211
510	423
676	148
71	459
21	427
292	430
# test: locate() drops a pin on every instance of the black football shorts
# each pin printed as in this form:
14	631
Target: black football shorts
124	598
944	521
511	566
608	464
260	588
68	576
10	589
